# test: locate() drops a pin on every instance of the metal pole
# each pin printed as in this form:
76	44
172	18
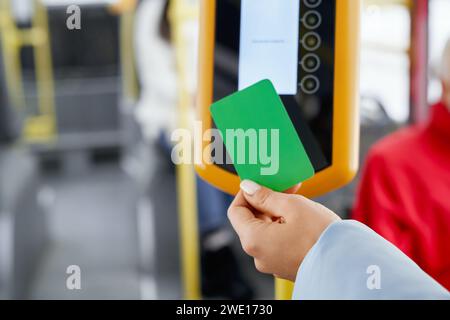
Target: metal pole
419	61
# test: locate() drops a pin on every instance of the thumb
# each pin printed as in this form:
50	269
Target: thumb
263	199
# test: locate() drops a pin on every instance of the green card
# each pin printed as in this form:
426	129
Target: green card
260	138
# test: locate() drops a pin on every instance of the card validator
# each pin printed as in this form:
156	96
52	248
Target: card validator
309	50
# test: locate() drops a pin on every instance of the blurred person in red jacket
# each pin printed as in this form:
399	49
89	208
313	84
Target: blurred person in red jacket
404	194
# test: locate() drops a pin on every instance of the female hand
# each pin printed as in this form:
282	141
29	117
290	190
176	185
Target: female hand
277	229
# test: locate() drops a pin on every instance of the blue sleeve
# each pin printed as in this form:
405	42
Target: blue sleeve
350	261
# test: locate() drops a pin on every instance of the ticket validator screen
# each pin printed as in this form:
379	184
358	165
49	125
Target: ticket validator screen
268	48
291	43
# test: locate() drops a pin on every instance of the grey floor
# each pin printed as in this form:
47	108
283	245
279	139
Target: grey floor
93	225
121	232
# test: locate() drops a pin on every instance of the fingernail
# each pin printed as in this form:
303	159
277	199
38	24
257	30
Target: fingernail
250	187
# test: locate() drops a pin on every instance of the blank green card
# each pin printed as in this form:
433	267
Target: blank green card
260	138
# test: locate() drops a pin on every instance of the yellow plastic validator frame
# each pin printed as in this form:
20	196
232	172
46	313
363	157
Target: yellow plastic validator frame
346	95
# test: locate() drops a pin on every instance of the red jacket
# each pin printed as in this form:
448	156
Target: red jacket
404	194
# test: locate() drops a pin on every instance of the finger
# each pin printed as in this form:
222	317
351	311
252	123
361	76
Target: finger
240	201
240	216
263	199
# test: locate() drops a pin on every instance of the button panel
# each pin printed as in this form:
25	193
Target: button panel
311	42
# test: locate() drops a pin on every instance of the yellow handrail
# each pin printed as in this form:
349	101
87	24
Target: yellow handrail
126	9
11	55
40	127
179	13
130	85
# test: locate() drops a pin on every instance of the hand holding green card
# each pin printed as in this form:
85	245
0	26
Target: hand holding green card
260	138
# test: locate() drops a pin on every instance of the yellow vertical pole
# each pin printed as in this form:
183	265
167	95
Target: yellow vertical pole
43	62
40	127
283	289
128	65
44	128
11	55
186	184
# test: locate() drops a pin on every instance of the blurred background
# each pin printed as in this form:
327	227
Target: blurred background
86	177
